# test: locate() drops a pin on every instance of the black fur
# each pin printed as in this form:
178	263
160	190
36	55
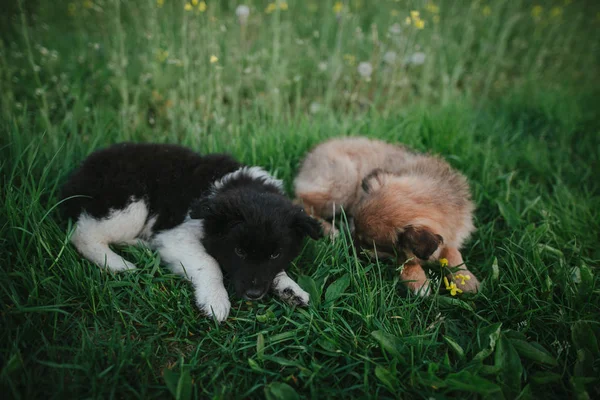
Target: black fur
167	177
250	227
253	234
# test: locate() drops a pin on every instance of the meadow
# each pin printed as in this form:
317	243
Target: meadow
507	91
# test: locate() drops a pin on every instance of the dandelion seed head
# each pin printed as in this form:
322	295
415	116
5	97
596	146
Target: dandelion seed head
365	69
242	12
390	57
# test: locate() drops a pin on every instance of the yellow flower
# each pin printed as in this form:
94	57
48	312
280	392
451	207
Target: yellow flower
350	59
88	4
270	8
407	21
419	23
195	2
556	12
452	287
414	14
213	59
187	7
337	7
283	5
463	278
536	11
202	6
432	8
72	9
162	55
487	10
160	3
444	262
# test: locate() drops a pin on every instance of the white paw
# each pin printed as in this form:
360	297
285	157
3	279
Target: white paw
121	267
423	291
294	296
215	305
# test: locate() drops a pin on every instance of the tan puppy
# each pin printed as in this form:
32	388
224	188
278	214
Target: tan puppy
404	203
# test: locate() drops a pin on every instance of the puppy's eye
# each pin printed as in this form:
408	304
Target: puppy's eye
240	252
274	256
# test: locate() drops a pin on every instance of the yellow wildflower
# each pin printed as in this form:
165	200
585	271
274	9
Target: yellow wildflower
463	278
162	55
195	2
213	59
187	7
444	262
88	4
270	8
536	11
407	21
414	14
160	3
337	7
452	287
486	11
432	8
419	23
350	59
202	6
72	9
556	12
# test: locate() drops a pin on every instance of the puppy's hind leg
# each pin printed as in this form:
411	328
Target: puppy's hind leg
289	291
182	250
464	279
92	236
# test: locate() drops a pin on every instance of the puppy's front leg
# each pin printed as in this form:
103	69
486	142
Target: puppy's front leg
464	279
182	250
289	291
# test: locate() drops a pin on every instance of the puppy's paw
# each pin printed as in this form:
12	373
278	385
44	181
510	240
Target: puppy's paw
216	305
294	296
422	291
465	281
121	267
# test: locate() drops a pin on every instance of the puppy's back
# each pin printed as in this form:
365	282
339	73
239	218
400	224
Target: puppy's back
166	176
331	174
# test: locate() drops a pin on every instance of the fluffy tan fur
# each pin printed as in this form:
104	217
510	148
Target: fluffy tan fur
413	203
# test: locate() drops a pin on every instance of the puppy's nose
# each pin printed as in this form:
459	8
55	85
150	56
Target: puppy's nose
254	293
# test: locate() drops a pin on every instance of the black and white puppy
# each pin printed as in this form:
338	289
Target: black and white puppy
203	214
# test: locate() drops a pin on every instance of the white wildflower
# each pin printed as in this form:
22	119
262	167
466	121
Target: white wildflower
395	29
365	69
390	57
315	107
417	58
242	11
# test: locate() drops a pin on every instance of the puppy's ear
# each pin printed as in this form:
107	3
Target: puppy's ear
421	241
373	181
201	209
306	225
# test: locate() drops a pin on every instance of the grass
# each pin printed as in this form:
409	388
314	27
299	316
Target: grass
508	93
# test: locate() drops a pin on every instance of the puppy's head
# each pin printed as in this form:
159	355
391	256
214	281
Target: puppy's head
393	218
253	236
